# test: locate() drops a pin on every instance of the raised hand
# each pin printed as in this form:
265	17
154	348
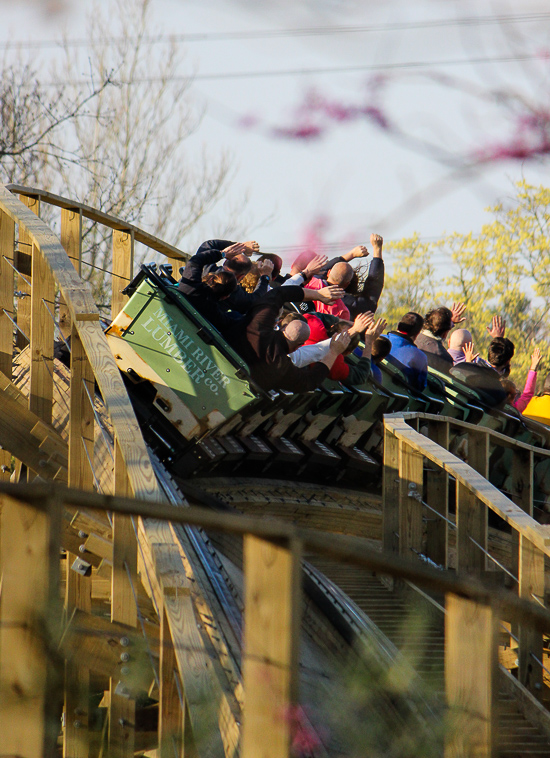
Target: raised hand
340	342
362	321
535	359
377	241
359	251
376	329
469	352
265	268
316	265
330	294
458	313
237	248
253	245
498	327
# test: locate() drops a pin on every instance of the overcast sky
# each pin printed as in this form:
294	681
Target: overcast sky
357	176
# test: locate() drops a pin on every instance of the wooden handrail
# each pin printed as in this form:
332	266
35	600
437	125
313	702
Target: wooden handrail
487	493
502	439
93	214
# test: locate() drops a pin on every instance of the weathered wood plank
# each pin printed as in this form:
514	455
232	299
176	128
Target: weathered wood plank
23	264
171	712
270	655
471	663
7	247
390	493
42	336
7	280
471	524
123	268
23	434
410	508
126	428
531	587
29	608
78	588
123	609
71	239
437	496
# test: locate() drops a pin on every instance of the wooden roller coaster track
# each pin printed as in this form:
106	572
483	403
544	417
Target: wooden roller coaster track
136	613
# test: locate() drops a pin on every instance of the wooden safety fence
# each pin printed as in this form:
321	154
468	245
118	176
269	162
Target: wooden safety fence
34	641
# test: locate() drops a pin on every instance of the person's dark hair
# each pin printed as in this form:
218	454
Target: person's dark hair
381	347
239	265
501	351
220	283
510	389
411	324
439	321
291	317
353	286
546	385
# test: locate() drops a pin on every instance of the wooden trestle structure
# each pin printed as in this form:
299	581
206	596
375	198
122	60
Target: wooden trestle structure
131	613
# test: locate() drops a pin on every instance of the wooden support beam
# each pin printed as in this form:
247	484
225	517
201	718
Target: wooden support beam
123	268
471	523
390	493
171	709
523	465
78	588
437	496
42	336
23	264
411	475
478	451
122	708
471	665
531	587
29	633
7	248
24	434
71	239
271	637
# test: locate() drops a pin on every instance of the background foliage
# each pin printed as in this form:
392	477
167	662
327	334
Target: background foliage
502	270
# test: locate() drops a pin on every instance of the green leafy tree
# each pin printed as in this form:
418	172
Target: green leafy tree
502	270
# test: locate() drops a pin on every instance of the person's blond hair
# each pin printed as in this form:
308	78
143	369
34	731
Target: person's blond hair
250	281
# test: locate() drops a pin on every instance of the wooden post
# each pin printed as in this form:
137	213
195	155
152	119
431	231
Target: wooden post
471	665
7	247
171	713
42	337
123	608
78	588
71	239
390	493
23	263
471	521
29	633
176	264
410	492
522	494
531	587
437	496
123	268
271	638
478	452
